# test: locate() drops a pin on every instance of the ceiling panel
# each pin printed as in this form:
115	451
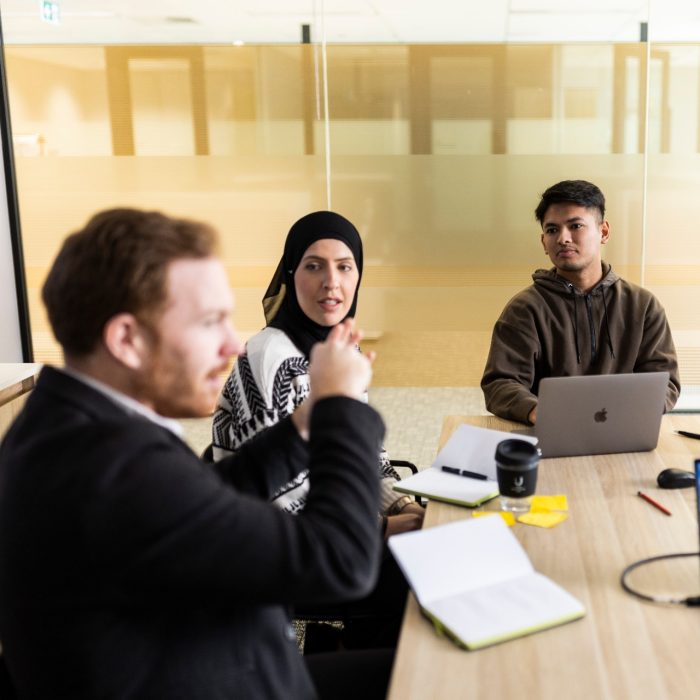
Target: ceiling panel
348	21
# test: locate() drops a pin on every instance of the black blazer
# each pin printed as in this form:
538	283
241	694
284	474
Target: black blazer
130	570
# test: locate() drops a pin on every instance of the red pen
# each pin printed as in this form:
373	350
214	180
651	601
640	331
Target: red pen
654	503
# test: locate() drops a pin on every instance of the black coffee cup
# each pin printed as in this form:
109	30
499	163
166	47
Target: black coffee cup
516	470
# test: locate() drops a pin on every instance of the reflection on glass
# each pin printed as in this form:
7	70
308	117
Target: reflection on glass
438	153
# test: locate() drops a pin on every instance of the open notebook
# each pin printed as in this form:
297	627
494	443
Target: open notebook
469	448
476	583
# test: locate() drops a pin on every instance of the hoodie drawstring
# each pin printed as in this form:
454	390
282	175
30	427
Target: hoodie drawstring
607	325
578	352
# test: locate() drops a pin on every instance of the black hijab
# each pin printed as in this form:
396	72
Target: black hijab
280	302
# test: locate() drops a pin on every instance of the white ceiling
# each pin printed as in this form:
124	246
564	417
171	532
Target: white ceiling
349	21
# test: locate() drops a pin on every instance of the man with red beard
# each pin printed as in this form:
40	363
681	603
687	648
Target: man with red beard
127	568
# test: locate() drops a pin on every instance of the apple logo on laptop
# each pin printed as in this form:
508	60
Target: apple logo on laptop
600	416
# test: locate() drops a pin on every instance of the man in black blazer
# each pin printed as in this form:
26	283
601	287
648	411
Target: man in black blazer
127	568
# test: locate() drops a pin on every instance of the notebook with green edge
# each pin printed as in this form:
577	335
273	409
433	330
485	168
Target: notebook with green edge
438	485
475	582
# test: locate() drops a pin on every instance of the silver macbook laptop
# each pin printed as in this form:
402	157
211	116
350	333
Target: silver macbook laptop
600	414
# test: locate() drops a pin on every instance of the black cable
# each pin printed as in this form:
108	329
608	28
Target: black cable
666	600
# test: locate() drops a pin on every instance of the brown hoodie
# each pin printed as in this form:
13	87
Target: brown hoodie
553	329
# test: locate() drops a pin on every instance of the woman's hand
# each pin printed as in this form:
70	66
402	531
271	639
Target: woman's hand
336	368
410	518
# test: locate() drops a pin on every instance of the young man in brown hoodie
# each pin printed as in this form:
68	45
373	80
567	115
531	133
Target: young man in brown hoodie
577	318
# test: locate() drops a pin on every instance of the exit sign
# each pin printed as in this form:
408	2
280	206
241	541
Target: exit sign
50	12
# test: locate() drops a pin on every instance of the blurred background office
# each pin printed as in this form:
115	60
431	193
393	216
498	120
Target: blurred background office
433	126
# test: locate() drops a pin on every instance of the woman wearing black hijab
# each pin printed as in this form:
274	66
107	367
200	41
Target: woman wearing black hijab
314	288
314	234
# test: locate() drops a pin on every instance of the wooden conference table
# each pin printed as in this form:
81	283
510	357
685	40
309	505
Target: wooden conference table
16	381
623	647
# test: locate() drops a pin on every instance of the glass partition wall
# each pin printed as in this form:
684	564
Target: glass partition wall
436	151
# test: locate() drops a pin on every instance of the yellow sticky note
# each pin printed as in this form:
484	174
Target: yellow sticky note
545	504
509	518
543	519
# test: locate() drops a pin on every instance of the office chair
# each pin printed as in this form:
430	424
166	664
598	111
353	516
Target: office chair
358	624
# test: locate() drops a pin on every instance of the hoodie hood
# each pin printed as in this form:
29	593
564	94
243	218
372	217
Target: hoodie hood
549	279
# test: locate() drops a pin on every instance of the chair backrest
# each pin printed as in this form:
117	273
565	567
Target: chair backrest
403	464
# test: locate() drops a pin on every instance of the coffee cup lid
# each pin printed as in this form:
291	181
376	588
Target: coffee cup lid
514	452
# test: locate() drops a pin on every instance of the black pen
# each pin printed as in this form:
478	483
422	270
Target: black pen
464	472
685	433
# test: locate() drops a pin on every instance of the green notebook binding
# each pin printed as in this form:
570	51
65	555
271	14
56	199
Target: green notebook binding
475	582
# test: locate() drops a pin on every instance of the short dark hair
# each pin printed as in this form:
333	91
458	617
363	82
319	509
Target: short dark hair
117	264
580	192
